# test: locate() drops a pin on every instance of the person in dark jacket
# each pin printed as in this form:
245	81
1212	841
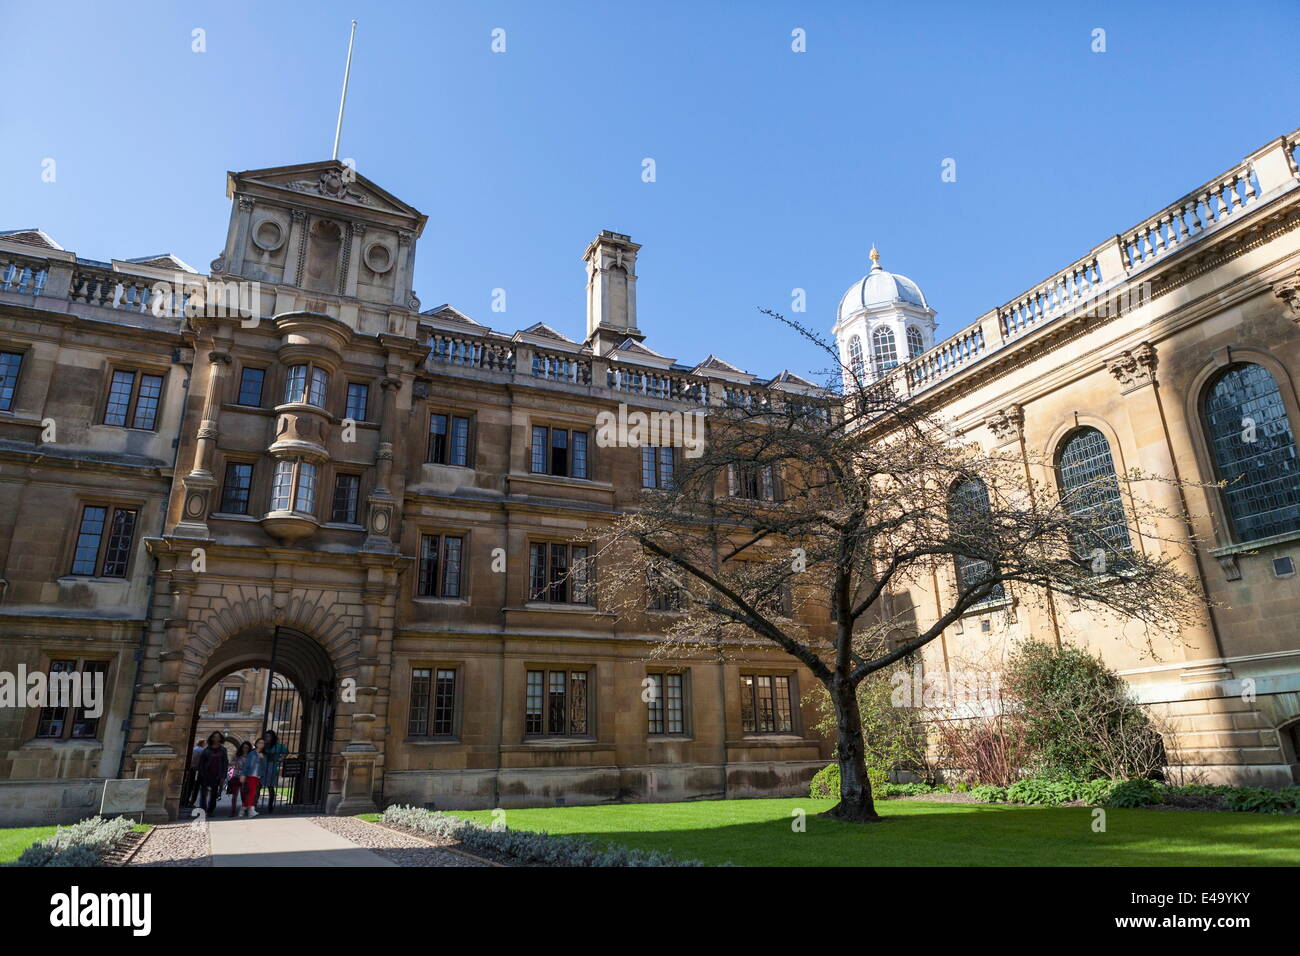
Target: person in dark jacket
213	764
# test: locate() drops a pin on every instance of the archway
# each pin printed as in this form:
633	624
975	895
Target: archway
281	680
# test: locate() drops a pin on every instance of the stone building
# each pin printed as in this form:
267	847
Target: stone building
285	464
1172	347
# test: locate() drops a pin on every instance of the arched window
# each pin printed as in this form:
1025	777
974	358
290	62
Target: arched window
1091	497
968	518
855	357
884	350
915	343
1254	452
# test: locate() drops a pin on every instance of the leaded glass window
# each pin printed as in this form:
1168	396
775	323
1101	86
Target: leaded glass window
1254	451
968	514
1091	496
915	342
855	357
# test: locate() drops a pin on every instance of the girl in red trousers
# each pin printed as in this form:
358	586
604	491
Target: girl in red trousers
251	775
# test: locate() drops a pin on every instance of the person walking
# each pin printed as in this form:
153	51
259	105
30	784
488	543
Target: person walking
253	770
213	764
236	787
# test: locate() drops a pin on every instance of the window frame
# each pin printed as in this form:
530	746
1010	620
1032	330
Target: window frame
365	401
225	692
69	715
662	680
452	418
261	386
295	487
437	574
308	386
653	468
131	411
1229	517
569	673
225	486
1114	556
569	448
9	387
356	498
105	535
569	586
424	727
792	700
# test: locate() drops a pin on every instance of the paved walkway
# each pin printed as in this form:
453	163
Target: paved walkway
277	840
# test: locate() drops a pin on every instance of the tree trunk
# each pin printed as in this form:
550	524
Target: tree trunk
855	804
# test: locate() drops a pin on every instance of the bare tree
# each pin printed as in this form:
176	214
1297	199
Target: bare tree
808	518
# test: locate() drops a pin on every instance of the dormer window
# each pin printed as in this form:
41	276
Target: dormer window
306	384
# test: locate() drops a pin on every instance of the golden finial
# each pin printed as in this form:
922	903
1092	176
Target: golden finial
875	256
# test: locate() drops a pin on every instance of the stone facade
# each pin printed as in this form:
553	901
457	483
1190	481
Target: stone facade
286	460
1128	341
312	432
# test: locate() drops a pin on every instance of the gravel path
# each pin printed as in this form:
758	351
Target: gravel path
174	844
393	846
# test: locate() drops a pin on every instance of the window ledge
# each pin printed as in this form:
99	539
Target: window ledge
431	741
90	578
231	516
1228	554
63	743
563	609
988	607
1249	547
669	739
429	599
343	526
558	743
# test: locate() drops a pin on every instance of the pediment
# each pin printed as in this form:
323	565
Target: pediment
329	182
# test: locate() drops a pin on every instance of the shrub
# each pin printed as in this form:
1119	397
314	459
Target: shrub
984	750
526	846
1079	717
1095	793
988	793
825	783
1034	791
1262	800
906	790
893	736
1129	794
83	844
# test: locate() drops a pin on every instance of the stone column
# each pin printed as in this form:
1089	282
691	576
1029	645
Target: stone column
200	482
242	228
402	278
296	248
381	503
1135	370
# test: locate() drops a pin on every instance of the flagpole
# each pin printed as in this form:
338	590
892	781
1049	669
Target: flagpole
347	72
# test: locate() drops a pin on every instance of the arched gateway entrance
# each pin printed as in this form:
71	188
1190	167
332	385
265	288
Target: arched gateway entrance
294	692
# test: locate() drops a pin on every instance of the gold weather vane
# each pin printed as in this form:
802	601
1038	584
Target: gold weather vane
347	72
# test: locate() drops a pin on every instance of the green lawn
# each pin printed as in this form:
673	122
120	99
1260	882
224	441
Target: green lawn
915	833
16	839
13	841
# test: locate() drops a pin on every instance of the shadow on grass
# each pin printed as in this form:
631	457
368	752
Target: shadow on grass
762	833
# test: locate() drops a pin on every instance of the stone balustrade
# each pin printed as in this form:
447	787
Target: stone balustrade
469	352
25	275
672	386
561	367
102	286
1116	264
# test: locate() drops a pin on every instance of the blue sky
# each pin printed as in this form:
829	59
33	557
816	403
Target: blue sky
775	169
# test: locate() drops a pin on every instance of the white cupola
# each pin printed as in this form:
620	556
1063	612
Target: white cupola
883	321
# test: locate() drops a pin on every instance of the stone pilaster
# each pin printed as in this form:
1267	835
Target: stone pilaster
200	483
1135	370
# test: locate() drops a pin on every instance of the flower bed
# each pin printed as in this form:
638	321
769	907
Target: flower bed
522	846
88	843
